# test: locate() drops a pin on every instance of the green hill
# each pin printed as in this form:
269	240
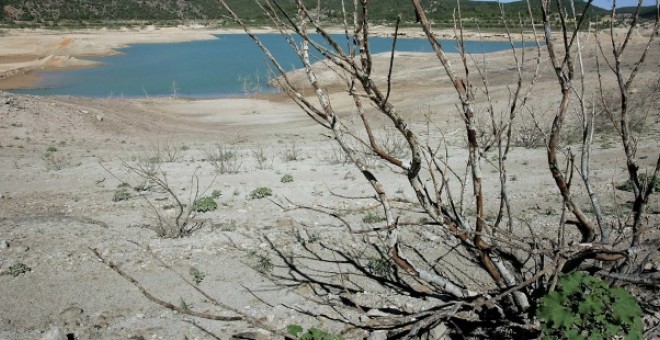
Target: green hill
38	11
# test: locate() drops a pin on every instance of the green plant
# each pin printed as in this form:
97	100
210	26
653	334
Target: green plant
286	178
379	266
311	334
204	204
121	194
586	307
197	275
371	217
628	185
18	268
263	262
261	192
216	193
51	149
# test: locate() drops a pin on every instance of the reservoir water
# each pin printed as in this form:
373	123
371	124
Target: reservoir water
230	65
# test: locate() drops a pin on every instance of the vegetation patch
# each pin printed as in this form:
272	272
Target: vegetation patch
585	307
643	178
204	204
121	194
260	193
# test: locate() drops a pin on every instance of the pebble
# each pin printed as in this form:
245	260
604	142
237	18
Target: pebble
54	334
377	335
4	244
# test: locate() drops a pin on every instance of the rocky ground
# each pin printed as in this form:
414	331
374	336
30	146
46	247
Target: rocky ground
70	185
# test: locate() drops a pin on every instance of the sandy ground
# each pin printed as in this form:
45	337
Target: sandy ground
62	159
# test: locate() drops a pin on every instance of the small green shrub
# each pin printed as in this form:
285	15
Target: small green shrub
379	266
628	186
260	193
216	193
18	268
263	262
121	194
286	179
311	334
585	307
371	217
51	149
197	275
204	204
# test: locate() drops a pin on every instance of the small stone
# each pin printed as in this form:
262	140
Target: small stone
377	335
376	313
99	118
4	244
72	317
648	266
252	335
54	334
439	332
284	222
84	111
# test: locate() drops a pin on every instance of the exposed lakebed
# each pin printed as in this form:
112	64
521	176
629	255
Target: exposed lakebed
230	65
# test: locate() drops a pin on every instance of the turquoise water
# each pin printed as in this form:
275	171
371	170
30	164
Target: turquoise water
230	65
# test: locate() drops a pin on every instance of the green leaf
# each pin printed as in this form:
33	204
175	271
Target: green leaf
573	334
626	308
591	305
294	330
570	284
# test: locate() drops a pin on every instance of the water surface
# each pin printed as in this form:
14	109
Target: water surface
230	65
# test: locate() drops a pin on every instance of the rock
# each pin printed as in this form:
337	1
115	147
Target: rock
4	244
377	335
84	111
253	335
376	313
54	334
439	332
72	317
284	222
99	118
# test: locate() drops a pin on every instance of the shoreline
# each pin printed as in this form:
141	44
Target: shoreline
27	52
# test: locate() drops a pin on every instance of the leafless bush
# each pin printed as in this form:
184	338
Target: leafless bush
393	142
225	158
451	257
56	160
165	150
180	222
528	133
259	154
291	152
333	154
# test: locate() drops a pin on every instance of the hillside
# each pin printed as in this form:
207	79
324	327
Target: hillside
160	10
